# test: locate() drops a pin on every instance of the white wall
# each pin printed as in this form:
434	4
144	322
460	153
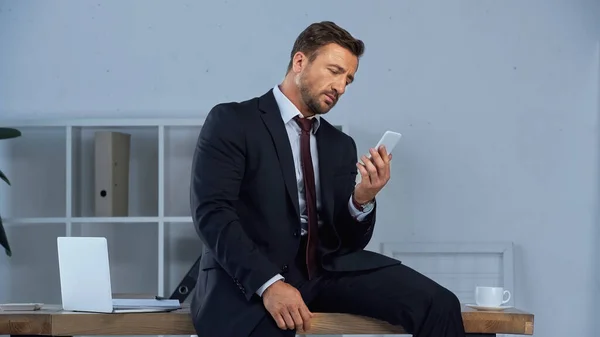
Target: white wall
596	241
497	101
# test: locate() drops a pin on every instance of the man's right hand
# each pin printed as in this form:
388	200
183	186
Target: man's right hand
287	307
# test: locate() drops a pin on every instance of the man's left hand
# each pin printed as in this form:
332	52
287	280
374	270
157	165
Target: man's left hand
375	173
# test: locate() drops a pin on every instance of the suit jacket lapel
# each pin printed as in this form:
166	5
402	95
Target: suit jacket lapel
271	117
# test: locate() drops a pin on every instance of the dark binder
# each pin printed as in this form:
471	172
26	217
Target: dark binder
187	284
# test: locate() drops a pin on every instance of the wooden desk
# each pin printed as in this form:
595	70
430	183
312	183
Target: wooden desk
51	321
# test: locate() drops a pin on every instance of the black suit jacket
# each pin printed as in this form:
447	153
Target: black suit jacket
244	205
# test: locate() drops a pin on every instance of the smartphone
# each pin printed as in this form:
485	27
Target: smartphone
389	140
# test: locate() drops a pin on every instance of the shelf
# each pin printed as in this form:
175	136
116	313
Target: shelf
182	249
180	143
90	220
33	273
143	169
101	122
52	168
133	253
36	171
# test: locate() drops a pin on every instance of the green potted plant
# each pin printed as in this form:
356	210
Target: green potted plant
6	133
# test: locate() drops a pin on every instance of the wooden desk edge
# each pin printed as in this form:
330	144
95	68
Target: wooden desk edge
58	323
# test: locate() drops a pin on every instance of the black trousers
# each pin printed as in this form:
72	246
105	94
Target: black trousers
396	294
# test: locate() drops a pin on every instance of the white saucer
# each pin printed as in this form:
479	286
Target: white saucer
479	307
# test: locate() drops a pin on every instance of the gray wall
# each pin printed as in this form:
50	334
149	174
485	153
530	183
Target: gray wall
497	102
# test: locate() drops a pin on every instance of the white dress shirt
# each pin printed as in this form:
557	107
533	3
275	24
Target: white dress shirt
288	112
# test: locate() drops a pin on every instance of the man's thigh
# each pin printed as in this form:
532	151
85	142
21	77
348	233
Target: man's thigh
396	294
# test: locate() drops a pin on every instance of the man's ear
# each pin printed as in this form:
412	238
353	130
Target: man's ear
299	62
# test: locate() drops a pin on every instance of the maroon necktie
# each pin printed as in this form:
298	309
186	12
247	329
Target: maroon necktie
310	194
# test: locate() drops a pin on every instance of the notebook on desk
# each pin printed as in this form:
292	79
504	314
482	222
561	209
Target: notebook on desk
85	283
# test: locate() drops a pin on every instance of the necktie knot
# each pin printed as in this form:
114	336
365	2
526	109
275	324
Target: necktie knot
305	123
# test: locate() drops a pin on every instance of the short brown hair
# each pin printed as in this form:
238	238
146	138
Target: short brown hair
322	33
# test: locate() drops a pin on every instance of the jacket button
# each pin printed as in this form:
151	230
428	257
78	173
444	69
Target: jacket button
296	233
285	268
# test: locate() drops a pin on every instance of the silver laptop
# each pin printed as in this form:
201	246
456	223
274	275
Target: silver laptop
85	279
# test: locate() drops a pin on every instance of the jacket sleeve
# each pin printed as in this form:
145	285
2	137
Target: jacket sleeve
217	172
354	233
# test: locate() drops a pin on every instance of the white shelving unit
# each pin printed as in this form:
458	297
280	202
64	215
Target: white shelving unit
51	168
62	193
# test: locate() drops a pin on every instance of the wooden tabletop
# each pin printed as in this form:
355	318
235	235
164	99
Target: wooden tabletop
52	321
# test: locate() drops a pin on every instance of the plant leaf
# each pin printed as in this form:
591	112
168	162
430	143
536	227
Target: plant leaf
6	133
3	177
4	239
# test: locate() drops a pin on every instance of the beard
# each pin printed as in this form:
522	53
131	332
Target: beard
312	100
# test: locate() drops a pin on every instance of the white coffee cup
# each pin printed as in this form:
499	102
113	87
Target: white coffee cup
491	296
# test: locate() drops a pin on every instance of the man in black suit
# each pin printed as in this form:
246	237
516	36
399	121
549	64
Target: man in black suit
284	225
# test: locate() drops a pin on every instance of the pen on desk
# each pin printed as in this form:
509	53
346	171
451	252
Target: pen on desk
160	298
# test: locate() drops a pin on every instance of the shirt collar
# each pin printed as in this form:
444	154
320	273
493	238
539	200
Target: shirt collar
288	109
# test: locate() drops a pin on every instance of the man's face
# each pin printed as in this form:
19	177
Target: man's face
323	81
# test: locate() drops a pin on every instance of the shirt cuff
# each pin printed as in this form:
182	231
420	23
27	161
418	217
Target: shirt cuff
355	212
264	287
